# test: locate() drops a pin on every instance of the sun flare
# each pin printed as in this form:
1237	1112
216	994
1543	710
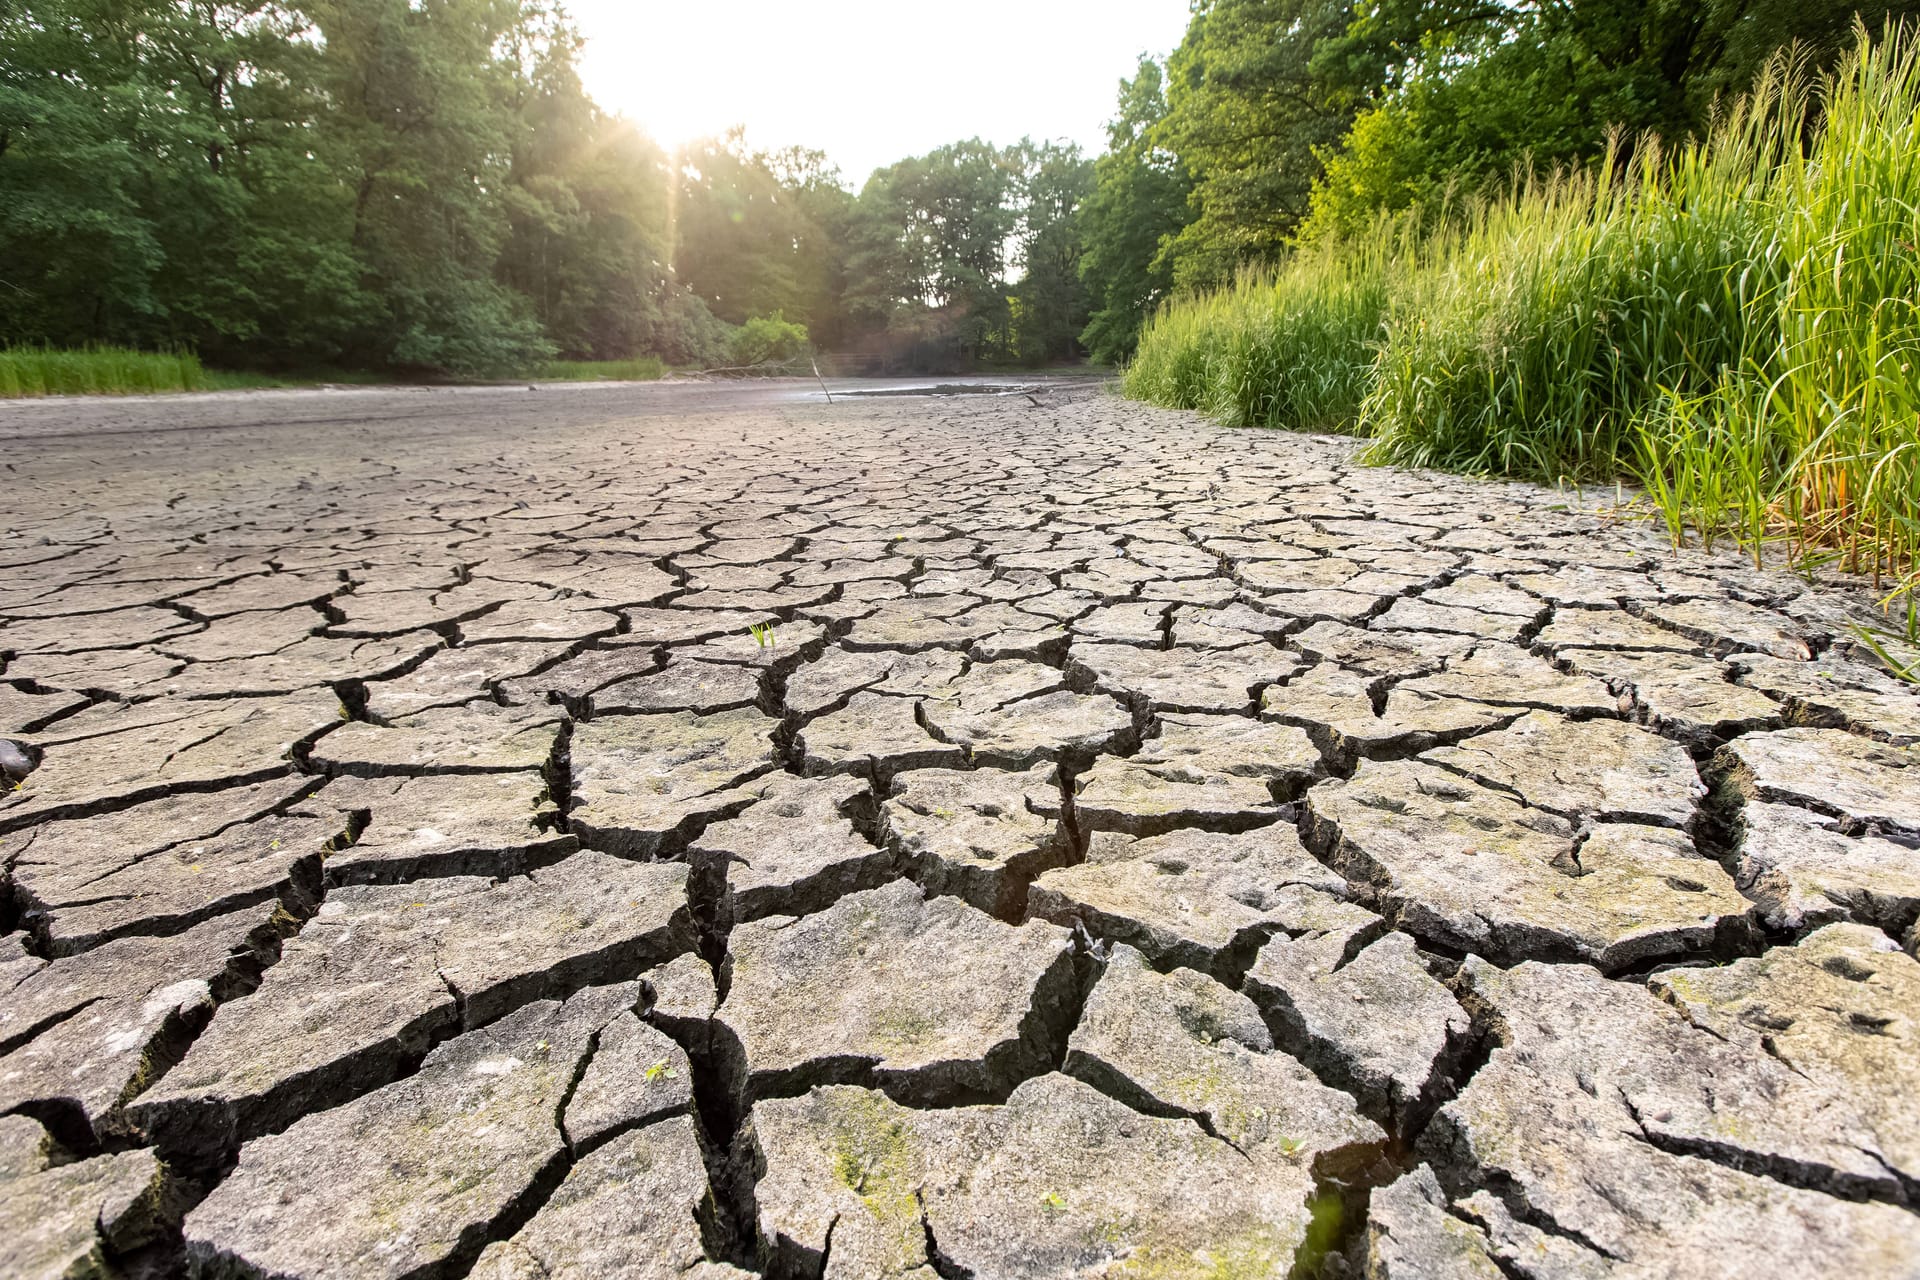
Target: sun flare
868	81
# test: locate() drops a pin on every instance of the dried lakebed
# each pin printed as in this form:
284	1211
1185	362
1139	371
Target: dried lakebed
693	832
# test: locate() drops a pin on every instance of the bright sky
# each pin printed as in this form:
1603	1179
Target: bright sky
870	81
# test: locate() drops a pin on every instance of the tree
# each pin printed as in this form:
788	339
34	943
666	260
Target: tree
423	106
1462	93
734	241
822	214
273	182
587	206
77	256
1049	304
929	236
1249	116
1138	201
138	143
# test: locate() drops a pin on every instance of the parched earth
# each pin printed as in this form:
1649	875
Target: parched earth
692	832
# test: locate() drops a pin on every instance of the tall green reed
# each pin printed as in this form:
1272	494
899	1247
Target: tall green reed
102	370
1814	436
1581	302
1289	348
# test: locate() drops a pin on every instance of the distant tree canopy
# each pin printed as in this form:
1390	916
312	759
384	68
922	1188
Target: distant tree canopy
426	184
934	239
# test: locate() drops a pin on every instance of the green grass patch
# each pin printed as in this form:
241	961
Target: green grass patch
101	370
1734	324
639	369
1292	348
48	371
123	371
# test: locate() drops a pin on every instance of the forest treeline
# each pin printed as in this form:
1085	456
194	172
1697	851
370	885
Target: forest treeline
426	184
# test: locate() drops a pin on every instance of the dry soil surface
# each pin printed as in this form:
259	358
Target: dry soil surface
704	831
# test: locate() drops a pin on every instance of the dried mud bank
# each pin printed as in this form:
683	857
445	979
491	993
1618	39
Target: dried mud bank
686	832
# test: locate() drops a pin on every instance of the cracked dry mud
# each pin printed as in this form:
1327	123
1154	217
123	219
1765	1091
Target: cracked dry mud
706	832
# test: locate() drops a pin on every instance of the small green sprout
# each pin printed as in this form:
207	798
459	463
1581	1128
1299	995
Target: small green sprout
1054	1200
660	1069
762	633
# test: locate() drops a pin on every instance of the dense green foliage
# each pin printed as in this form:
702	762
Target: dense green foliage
769	341
1249	116
1471	90
425	185
1286	121
357	183
1139	199
933	240
1733	321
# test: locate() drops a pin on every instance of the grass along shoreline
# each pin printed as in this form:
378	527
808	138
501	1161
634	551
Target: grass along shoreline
1734	325
42	371
33	372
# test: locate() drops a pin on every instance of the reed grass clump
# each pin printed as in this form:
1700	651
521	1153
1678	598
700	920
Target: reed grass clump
1734	323
1289	348
639	369
52	371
